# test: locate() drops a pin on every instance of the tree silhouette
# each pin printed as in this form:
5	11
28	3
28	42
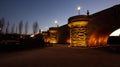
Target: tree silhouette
2	25
26	28
7	27
35	28
16	29
13	29
20	27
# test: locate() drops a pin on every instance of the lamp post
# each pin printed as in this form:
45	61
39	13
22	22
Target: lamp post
78	8
56	23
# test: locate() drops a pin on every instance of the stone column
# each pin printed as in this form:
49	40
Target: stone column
78	30
53	35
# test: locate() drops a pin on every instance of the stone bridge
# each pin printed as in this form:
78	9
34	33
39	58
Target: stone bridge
102	24
96	28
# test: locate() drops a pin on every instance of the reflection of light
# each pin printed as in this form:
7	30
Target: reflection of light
115	33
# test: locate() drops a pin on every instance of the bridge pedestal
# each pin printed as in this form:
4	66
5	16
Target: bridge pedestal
78	30
53	35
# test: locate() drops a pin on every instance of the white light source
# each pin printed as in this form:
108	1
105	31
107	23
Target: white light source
79	8
55	21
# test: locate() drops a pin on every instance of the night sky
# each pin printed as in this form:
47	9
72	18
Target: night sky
46	11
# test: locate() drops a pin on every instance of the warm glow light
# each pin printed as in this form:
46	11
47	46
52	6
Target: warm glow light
78	23
52	31
48	40
97	39
53	41
68	40
115	33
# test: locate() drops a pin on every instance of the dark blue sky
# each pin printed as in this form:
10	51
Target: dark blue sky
46	11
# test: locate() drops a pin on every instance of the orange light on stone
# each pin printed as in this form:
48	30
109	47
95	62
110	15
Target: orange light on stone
68	40
48	39
78	28
52	40
98	40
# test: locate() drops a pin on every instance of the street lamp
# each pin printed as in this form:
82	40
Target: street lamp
56	23
79	8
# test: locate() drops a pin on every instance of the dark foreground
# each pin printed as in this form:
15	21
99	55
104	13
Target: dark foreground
60	56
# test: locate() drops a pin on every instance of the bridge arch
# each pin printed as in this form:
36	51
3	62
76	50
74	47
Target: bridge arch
102	24
100	36
98	28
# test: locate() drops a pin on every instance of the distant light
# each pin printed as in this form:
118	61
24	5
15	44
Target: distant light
116	33
32	35
55	21
78	8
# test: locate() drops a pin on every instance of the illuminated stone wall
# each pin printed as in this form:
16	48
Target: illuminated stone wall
78	30
53	33
98	28
45	35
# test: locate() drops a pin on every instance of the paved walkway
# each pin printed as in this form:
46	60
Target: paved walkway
60	57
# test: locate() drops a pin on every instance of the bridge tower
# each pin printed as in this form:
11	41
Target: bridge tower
78	30
53	35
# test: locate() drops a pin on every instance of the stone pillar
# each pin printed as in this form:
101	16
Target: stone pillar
53	35
78	30
45	36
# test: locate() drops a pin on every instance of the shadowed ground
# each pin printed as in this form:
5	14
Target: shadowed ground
60	56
